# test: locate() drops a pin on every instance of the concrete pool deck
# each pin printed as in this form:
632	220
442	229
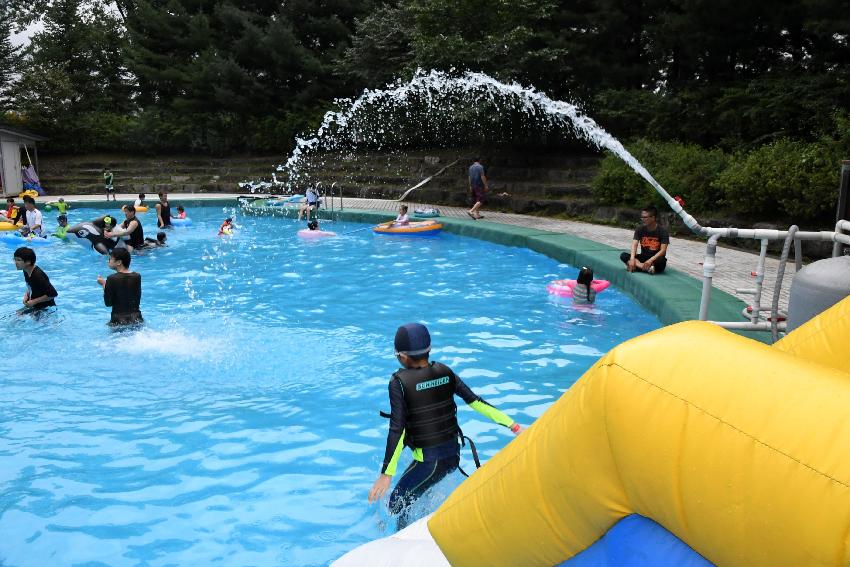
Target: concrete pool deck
673	296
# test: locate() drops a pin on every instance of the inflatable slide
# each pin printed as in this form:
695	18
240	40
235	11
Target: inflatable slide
689	445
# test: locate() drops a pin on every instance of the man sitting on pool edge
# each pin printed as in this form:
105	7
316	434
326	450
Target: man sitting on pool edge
653	240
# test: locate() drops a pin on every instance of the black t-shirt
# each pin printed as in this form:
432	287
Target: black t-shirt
40	285
651	240
123	292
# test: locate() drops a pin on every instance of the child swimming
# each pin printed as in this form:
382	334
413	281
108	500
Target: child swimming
583	293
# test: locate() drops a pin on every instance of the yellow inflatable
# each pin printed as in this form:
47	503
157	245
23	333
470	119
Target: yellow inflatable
7	226
739	449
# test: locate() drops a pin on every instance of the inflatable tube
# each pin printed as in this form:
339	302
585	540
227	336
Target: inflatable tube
181	222
423	228
736	448
141	209
15	239
307	233
426	213
4	226
89	235
564	288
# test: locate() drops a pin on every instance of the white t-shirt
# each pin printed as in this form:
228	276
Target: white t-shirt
34	218
402	219
137	203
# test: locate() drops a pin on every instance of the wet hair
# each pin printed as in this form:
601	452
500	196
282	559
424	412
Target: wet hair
162	194
313	225
28	199
142	196
61	199
122	255
652	210
585	276
10	200
25	254
228	219
161	236
62	218
180	208
130	208
404	208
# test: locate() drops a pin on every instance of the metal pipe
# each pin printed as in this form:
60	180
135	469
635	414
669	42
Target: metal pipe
333	185
756	314
838	237
780	274
747	326
707	275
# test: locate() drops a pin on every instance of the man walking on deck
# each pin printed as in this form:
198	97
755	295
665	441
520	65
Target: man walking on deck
477	187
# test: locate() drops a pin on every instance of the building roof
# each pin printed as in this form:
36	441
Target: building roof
21	133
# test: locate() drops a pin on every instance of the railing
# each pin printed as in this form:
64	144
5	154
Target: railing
775	320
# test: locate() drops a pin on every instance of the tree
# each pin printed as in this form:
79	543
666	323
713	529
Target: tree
10	58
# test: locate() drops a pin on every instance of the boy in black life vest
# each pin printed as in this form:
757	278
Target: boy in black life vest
424	418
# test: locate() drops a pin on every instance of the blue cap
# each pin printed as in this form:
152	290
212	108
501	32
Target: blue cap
413	339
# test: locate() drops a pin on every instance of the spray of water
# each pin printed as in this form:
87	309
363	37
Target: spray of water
441	91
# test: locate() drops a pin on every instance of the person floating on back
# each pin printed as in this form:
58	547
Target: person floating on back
159	242
40	292
122	290
583	292
653	240
423	417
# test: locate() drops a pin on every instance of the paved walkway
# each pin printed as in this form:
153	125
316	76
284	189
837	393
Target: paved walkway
733	266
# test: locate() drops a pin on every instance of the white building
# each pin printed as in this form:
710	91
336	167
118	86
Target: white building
13	144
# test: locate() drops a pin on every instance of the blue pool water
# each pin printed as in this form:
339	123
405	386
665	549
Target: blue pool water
240	426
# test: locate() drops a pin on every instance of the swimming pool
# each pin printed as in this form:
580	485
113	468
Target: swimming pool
240	425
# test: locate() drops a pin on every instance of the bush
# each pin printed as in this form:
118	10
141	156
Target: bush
795	181
682	169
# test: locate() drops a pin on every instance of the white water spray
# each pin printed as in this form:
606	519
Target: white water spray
440	90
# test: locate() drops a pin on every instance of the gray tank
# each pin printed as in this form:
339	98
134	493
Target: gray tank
816	288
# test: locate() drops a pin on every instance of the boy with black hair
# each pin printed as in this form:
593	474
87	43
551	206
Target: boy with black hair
122	290
33	218
423	417
40	292
653	240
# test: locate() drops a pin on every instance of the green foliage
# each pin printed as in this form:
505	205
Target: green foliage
686	170
792	180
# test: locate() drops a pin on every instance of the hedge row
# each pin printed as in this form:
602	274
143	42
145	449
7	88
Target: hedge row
785	180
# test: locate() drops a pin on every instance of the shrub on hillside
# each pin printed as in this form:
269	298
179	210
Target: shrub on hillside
682	169
796	181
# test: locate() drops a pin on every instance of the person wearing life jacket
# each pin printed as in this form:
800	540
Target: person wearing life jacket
131	229
423	416
12	213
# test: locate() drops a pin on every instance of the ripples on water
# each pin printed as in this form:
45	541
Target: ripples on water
240	425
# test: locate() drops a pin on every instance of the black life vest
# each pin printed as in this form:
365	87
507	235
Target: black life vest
137	237
431	409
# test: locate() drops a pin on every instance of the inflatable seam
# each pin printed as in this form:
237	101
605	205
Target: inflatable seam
726	423
812	335
579	384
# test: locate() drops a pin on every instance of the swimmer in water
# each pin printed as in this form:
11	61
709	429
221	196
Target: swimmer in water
122	290
226	227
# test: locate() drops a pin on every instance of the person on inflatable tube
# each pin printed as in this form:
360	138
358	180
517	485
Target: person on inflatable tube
423	417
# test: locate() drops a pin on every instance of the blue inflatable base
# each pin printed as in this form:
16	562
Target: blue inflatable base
636	541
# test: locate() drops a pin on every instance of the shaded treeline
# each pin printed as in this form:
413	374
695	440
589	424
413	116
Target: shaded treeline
221	76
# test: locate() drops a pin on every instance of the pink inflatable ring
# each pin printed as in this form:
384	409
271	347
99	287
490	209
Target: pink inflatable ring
564	288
